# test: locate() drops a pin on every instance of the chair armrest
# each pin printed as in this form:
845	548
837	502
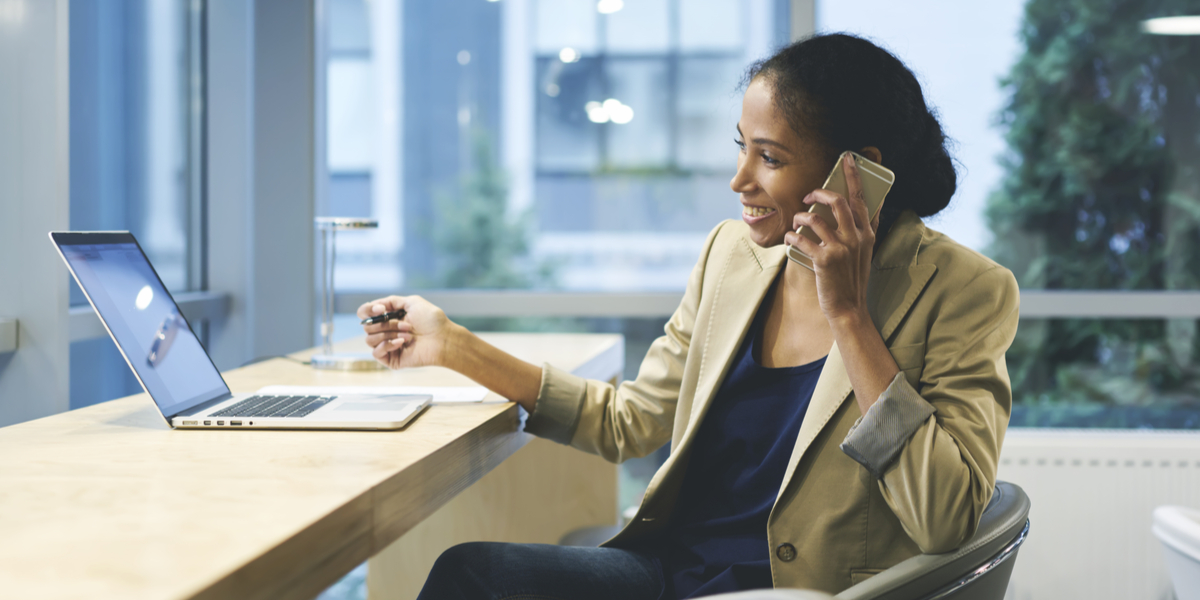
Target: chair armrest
1003	522
773	595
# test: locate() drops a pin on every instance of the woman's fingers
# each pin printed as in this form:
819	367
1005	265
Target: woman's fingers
374	339
380	306
857	202
801	243
838	205
389	349
387	332
392	325
364	311
819	226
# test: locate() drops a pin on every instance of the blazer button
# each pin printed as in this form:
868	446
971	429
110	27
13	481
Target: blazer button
786	552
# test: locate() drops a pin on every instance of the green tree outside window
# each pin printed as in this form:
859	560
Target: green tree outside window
1102	192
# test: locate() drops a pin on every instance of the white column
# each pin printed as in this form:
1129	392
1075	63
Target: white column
230	148
283	277
34	199
385	244
517	102
262	157
804	18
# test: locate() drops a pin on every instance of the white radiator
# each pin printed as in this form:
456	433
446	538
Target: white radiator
1093	493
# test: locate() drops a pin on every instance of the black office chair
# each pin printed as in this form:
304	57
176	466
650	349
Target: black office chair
978	570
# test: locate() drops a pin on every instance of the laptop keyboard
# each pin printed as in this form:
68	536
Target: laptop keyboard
275	406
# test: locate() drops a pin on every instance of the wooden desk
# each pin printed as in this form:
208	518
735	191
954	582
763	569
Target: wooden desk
107	501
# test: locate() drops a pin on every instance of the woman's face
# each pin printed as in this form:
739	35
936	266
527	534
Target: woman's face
777	167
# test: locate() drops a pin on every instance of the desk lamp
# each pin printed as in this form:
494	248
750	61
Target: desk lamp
329	227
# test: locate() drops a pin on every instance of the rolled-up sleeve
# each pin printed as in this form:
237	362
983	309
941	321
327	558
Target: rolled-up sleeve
559	404
934	448
878	437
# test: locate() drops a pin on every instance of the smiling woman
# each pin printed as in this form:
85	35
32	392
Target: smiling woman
877	109
799	403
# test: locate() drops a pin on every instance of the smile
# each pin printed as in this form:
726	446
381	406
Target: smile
756	211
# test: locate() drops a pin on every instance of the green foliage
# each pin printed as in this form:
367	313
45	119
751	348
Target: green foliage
480	245
1102	191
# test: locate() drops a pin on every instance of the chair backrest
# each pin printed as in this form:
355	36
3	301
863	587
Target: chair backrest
979	569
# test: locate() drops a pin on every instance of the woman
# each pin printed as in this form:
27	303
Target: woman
824	424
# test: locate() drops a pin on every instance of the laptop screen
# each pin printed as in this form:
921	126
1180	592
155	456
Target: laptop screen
144	320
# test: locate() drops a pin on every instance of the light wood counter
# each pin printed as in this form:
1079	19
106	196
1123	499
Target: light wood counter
107	501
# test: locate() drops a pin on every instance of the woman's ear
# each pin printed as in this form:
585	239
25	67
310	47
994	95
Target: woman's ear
872	153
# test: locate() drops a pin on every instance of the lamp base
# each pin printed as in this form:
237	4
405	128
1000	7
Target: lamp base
346	362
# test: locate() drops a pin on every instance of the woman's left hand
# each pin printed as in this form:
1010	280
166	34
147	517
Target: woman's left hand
842	261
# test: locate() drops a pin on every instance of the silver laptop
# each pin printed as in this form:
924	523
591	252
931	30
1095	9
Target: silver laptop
172	366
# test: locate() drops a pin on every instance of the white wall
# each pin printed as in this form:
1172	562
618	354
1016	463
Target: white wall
34	190
262	157
230	103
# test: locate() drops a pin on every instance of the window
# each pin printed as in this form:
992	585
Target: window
1076	129
535	144
135	112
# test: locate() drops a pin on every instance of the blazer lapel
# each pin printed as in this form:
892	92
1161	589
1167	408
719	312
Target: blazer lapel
896	282
897	279
745	280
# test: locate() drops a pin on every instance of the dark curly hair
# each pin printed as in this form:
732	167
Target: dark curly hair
851	94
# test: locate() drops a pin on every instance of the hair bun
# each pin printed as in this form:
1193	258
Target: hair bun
881	106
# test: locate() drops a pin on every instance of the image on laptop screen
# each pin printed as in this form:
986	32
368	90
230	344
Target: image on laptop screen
143	318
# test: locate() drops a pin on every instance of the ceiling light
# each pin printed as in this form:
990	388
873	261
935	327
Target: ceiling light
621	114
1172	26
608	7
609	110
568	55
596	112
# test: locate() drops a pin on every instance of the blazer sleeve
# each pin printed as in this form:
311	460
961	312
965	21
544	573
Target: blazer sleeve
635	419
935	452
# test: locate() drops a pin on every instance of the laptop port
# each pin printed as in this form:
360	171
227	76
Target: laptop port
235	422
189	423
208	422
220	422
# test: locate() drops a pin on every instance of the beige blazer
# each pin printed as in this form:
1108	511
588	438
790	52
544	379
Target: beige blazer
925	454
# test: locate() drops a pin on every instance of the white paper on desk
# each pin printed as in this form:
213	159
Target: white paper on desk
441	395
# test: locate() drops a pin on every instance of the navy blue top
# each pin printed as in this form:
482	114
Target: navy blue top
717	540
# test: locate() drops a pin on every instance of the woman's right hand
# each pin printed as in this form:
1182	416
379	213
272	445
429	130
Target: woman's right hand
420	339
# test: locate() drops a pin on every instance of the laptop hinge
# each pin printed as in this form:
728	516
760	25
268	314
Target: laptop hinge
203	406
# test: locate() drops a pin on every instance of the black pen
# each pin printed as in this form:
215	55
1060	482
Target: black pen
384	317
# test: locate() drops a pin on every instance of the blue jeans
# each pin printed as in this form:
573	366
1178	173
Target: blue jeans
497	571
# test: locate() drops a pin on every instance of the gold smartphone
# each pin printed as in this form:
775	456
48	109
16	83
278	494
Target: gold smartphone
876	181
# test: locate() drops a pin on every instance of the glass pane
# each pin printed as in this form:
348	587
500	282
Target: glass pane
478	135
1094	122
566	24
710	25
99	373
1106	373
639	121
351	108
130	106
566	139
129	127
639	27
709	109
